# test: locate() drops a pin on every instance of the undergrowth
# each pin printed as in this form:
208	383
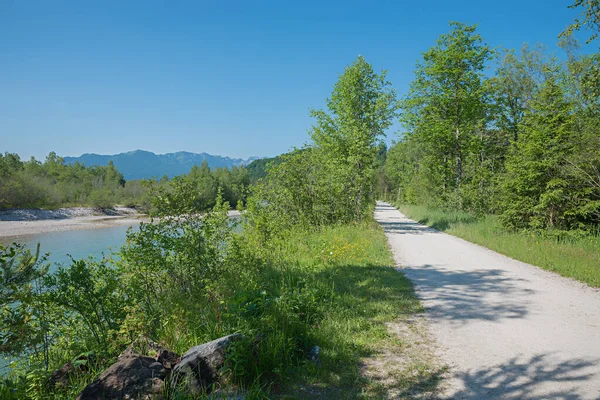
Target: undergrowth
332	287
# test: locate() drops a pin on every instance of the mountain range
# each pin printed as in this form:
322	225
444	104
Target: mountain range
140	164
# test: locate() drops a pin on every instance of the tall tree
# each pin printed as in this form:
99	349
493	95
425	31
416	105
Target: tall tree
537	194
517	79
362	106
447	104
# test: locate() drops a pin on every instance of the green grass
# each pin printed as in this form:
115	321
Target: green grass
577	258
365	293
333	287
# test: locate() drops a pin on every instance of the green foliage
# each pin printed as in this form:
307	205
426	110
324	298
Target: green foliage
361	108
54	184
175	265
89	292
332	181
198	190
522	143
536	192
446	113
20	275
589	19
258	169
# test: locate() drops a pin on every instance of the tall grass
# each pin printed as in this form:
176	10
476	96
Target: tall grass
576	257
333	287
353	265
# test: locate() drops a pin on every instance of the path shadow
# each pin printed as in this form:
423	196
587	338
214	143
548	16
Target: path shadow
403	226
487	294
409	227
441	222
529	379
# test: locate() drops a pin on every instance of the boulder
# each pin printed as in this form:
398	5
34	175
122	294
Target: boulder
131	377
167	358
63	375
199	367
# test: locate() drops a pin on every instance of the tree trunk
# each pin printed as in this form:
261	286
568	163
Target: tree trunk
458	159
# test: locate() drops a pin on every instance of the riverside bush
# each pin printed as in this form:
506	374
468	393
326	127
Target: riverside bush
285	297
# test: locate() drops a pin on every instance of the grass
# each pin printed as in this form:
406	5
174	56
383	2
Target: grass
335	288
366	295
577	258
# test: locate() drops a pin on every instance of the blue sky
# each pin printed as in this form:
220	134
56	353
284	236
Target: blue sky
234	78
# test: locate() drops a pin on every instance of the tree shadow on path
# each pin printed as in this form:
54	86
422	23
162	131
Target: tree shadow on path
528	379
460	296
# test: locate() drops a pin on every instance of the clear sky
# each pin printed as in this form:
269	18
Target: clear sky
233	78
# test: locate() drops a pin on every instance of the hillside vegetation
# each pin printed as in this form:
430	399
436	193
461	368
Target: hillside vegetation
54	183
51	184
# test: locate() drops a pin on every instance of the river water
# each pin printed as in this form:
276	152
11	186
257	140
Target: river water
77	243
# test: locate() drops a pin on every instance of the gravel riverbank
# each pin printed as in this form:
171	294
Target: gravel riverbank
19	222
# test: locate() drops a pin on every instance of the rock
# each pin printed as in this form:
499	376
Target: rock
199	367
131	377
167	358
61	376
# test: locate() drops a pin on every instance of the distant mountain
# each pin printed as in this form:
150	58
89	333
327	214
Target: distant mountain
140	164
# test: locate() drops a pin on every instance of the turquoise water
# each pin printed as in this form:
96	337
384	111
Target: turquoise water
78	243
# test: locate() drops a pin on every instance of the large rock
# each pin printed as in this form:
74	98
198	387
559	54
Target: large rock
63	375
199	367
167	358
131	377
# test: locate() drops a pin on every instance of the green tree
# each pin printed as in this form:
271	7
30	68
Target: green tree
447	107
23	325
590	18
537	194
517	78
362	106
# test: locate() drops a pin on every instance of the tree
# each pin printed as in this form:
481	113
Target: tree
362	106
581	77
22	320
537	194
447	105
590	18
516	80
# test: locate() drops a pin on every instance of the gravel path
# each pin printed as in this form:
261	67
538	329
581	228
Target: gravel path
508	330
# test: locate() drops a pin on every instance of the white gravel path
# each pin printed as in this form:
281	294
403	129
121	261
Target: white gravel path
508	330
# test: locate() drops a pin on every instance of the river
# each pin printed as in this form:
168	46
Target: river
80	243
77	243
